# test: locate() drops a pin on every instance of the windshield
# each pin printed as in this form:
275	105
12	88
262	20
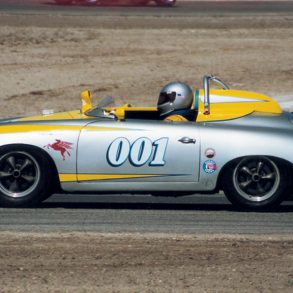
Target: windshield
100	111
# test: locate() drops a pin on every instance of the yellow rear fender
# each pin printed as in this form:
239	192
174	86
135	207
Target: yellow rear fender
230	104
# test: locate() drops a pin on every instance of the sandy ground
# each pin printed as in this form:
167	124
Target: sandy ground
46	64
78	262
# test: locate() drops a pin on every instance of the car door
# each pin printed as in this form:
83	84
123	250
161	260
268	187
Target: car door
138	151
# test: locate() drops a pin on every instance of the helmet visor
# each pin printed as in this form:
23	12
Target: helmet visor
166	98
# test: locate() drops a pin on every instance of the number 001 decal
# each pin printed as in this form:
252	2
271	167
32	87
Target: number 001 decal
138	153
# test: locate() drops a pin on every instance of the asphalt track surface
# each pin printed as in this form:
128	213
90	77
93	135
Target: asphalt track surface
202	214
125	213
197	8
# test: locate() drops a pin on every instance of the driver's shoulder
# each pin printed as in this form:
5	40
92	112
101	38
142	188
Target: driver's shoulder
175	118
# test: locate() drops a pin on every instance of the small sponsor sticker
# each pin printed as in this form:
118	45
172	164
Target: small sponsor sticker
60	146
210	166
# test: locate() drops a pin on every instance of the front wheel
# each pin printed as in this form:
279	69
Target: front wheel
25	177
167	3
255	183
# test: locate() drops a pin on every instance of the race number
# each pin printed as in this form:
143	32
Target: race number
138	153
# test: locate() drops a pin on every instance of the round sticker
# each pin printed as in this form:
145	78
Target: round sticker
209	166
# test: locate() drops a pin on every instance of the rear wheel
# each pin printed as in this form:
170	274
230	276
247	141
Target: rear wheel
25	177
255	183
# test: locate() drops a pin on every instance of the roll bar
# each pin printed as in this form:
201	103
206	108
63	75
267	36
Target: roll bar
206	86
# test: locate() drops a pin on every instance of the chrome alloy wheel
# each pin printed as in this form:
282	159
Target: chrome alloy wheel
19	174
256	178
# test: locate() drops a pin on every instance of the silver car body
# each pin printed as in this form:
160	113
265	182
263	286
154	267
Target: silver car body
184	163
241	142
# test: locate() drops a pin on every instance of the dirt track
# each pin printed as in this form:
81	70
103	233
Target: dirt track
44	66
144	263
47	65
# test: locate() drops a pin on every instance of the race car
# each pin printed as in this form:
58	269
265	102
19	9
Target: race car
237	141
167	3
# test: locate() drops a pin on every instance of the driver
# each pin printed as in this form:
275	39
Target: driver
175	102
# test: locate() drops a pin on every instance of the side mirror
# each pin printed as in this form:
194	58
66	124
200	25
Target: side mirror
206	87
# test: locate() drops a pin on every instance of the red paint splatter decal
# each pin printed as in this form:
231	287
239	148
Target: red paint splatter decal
60	146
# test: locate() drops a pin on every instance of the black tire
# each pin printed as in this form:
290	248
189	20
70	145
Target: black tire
255	183
167	3
25	176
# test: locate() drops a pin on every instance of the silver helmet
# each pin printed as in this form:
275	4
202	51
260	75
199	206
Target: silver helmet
174	96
